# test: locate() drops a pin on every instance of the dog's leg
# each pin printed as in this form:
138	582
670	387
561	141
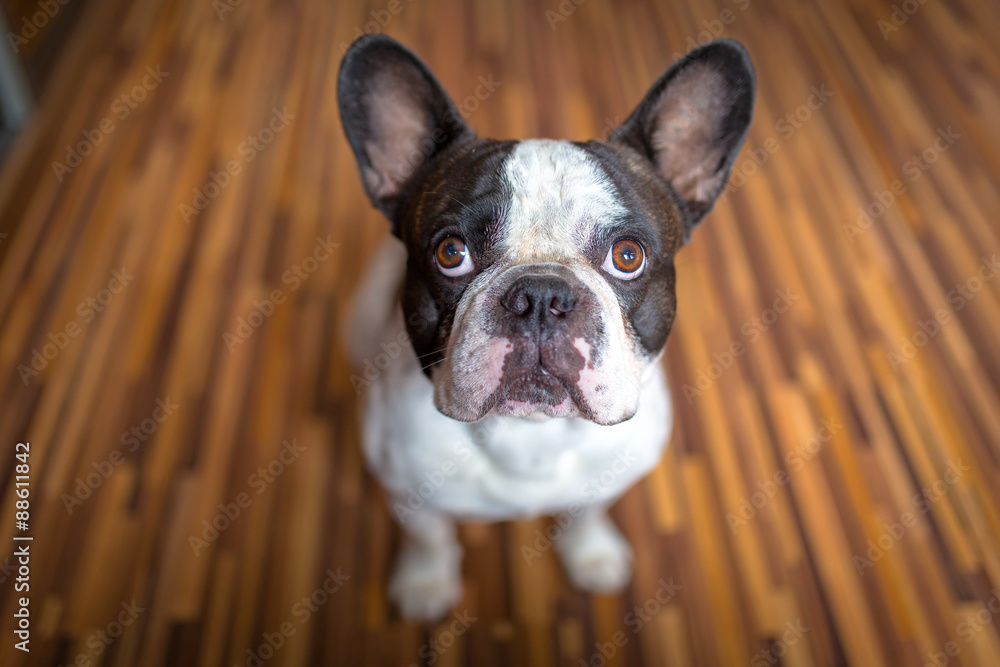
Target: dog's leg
596	556
427	581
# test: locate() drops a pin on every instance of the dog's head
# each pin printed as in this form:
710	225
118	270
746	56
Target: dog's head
540	278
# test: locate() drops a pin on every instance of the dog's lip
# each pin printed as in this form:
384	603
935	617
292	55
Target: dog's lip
538	369
502	394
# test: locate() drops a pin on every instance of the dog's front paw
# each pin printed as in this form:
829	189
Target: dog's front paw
426	583
596	556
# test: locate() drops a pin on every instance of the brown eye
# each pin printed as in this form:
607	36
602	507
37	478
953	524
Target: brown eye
452	257
625	259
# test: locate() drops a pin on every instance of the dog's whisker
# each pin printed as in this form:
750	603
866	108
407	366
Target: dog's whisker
466	207
443	349
433	363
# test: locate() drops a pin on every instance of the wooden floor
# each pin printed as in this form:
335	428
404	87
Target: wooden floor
831	492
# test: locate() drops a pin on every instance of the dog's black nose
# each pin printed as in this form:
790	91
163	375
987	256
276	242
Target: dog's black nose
541	297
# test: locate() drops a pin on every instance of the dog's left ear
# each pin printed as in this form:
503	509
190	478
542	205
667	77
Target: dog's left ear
692	123
396	116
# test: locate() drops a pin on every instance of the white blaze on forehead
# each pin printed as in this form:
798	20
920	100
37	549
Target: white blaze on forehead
559	195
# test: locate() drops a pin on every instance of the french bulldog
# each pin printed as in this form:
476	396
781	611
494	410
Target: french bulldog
514	321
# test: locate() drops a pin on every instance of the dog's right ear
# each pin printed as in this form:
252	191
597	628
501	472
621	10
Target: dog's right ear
396	116
692	123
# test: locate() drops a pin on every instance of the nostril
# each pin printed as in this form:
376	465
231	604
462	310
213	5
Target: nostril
517	302
521	304
561	304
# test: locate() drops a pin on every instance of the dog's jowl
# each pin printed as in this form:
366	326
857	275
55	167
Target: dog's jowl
532	283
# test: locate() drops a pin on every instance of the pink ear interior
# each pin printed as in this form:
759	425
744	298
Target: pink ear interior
399	134
688	118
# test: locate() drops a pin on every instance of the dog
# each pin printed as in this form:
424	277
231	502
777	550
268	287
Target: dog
526	294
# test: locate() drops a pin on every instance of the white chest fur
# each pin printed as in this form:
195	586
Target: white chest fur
502	467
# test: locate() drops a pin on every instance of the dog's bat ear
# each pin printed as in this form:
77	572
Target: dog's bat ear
396	116
693	121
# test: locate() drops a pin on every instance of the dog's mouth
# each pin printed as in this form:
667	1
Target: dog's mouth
535	393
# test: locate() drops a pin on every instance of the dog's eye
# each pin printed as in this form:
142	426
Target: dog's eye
452	257
625	259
